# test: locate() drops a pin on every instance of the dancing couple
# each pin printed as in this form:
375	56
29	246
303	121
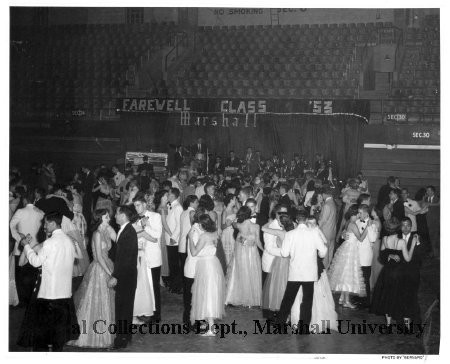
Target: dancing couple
301	248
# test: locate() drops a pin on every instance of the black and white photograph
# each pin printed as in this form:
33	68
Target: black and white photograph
224	180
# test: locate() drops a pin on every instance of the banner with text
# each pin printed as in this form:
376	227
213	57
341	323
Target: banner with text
191	108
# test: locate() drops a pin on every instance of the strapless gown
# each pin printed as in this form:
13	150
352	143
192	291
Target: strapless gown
94	302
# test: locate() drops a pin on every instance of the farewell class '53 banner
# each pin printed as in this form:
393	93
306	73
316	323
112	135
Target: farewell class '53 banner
333	127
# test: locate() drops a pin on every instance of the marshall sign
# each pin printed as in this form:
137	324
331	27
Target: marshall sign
238	112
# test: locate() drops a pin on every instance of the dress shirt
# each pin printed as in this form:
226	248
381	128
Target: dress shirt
302	245
271	249
185	222
200	191
152	250
56	258
26	221
173	221
406	237
191	262
118	179
414	207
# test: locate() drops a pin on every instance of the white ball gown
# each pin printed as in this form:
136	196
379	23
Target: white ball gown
94	301
345	273
244	277
208	290
323	311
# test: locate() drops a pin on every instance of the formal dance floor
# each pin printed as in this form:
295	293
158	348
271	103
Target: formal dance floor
255	342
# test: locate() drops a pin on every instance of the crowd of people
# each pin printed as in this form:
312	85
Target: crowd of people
251	236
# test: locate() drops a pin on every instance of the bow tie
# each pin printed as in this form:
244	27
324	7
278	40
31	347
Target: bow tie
253	216
363	221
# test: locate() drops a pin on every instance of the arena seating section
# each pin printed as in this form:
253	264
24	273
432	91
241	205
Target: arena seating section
82	67
418	84
280	61
71	67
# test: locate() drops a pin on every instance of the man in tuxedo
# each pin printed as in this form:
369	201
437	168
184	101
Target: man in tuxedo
124	277
55	203
416	261
244	194
365	249
327	223
284	197
233	161
198	147
53	323
398	210
251	204
433	219
250	162
383	194
149	231
146	165
177	159
218	167
301	245
275	181
88	185
172	237
27	220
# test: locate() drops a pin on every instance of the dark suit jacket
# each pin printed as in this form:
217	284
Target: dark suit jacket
419	250
126	256
54	204
177	161
285	200
195	150
398	210
383	196
233	163
219	168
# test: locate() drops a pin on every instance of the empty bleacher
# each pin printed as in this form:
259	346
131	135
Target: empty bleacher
418	84
77	67
281	61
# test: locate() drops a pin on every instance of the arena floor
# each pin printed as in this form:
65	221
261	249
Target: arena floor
335	343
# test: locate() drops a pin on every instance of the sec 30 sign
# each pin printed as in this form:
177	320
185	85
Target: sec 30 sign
421	135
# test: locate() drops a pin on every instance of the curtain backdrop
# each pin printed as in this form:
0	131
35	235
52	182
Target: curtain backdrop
338	137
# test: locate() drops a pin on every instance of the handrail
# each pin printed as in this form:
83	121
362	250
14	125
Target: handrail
178	41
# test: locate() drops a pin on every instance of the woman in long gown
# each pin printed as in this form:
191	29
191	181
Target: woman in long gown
94	300
206	202
377	265
228	217
244	278
208	290
394	294
345	273
144	299
276	281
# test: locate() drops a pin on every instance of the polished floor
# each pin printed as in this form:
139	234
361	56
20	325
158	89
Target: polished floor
255	341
